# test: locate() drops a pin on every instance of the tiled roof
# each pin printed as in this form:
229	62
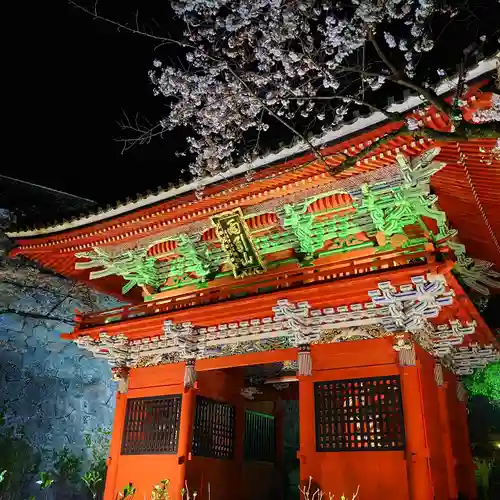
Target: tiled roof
469	192
467	187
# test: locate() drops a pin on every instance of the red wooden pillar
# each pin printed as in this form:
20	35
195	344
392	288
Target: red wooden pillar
417	451
307	435
237	383
279	440
461	441
115	447
185	435
446	440
467	468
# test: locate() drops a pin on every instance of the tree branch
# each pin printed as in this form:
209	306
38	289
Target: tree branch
375	109
274	115
395	71
145	132
135	30
428	94
398	77
148	136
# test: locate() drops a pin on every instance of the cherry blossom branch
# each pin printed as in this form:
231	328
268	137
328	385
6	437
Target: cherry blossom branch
245	62
462	72
395	71
428	94
256	147
125	27
275	116
392	116
397	77
146	133
361	71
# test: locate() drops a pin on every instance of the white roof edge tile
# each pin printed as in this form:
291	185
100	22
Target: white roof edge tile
483	67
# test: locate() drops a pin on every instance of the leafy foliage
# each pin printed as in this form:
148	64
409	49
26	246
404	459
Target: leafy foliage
160	491
45	480
92	479
485	382
67	465
128	491
95	477
18	461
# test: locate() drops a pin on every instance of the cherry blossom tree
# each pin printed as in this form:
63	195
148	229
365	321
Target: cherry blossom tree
305	66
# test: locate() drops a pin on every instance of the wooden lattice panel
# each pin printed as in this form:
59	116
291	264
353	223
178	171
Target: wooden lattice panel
152	425
213	433
259	437
359	415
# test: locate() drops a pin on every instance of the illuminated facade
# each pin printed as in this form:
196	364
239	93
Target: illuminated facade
340	288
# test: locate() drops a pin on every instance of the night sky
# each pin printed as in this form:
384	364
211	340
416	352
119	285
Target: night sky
83	81
79	78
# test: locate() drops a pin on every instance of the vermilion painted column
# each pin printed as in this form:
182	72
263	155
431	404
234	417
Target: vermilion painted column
446	441
115	447
185	435
463	455
307	432
417	452
279	441
237	383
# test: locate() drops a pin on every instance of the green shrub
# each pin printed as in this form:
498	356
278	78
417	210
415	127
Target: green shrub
95	478
18	462
485	382
128	492
68	465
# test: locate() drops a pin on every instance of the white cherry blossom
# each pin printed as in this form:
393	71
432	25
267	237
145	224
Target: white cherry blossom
254	61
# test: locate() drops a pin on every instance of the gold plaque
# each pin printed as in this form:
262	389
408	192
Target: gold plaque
236	242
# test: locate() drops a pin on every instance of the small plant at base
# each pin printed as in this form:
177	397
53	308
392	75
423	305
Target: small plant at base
17	457
91	479
160	491
319	494
185	493
95	477
128	492
45	481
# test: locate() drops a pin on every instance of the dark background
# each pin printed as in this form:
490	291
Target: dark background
72	88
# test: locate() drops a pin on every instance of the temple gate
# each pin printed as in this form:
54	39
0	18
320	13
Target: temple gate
295	304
